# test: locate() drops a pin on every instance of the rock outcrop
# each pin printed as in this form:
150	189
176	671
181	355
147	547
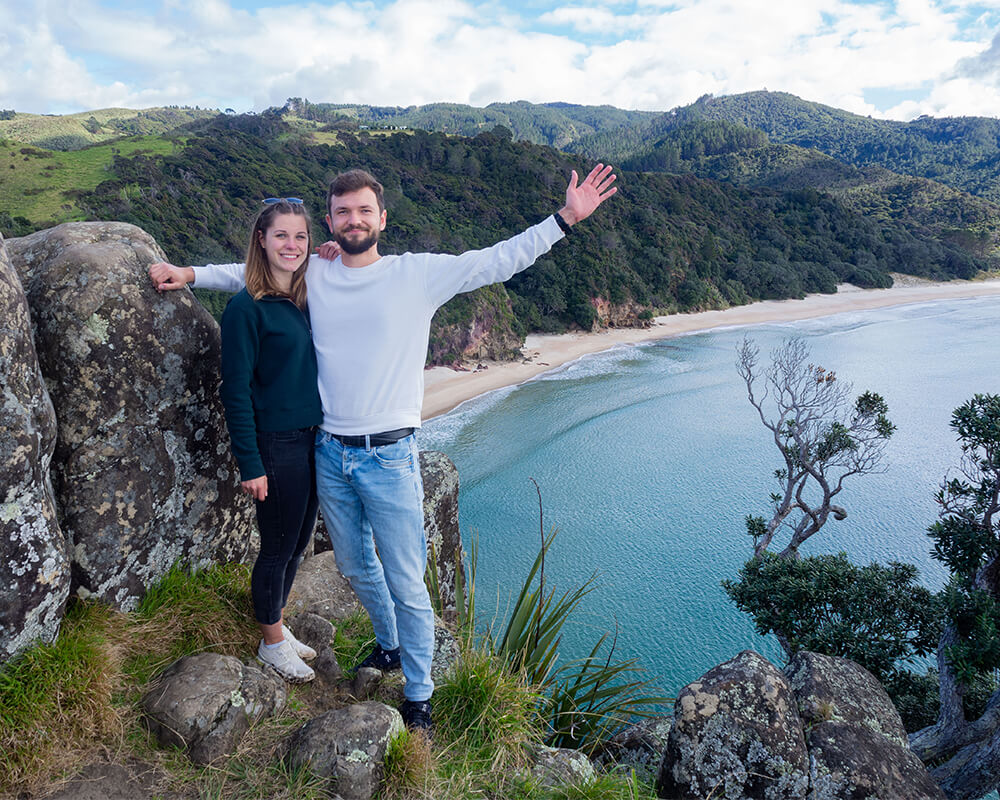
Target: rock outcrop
828	732
206	702
444	542
835	689
348	747
34	562
853	762
142	472
736	733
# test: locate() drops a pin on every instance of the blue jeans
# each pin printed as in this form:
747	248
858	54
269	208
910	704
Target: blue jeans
285	519
373	498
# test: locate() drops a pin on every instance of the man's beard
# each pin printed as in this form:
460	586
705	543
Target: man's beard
355	247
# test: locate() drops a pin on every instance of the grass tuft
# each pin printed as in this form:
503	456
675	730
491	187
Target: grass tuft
409	768
190	611
56	699
487	712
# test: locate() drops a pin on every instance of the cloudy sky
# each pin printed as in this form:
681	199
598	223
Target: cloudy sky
888	58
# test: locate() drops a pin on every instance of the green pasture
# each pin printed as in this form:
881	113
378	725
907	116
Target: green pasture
40	184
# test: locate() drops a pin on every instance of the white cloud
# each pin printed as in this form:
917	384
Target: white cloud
651	54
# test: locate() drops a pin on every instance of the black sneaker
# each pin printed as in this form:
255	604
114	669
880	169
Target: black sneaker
417	715
384	660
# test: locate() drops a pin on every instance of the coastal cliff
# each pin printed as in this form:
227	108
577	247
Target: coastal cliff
111	400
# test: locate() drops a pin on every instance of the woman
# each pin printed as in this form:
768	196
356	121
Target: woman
272	409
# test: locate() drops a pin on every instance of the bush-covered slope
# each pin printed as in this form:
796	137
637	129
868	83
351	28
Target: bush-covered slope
666	242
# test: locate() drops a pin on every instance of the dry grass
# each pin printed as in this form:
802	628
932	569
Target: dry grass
57	700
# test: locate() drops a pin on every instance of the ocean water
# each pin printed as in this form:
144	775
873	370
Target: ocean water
649	457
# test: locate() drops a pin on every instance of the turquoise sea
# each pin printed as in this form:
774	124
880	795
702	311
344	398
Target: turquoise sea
649	457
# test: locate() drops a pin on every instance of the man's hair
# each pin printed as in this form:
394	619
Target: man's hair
258	271
352	181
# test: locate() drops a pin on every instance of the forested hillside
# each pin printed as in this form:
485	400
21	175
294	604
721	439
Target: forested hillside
665	243
963	153
554	124
711	213
76	131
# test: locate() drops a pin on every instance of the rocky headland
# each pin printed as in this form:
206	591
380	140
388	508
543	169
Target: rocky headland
115	466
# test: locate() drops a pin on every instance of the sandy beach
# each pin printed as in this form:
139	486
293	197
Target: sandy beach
445	388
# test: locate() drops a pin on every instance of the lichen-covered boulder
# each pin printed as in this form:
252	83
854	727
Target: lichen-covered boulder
34	563
347	746
142	470
736	734
444	542
854	762
206	702
552	767
834	689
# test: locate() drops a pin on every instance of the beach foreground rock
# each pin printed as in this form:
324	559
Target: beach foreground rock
827	732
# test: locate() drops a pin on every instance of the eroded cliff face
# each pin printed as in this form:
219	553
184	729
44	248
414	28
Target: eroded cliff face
142	472
477	325
619	315
34	562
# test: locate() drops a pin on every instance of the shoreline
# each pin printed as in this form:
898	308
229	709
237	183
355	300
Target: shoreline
445	388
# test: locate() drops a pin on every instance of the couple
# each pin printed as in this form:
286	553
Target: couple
368	318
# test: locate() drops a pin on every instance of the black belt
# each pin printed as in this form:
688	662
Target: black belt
373	439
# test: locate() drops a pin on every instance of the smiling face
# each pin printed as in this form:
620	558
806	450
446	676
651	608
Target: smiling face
355	220
286	246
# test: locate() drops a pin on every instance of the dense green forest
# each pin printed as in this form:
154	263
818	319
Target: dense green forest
554	124
963	152
715	207
666	243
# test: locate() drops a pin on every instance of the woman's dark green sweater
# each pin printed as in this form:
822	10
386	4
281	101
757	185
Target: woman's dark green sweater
268	373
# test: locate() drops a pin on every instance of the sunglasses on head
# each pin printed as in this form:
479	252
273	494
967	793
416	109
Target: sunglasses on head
270	201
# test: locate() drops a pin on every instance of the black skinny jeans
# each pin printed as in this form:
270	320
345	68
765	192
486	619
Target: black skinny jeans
286	518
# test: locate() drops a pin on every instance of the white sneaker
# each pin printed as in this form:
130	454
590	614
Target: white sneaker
301	650
288	665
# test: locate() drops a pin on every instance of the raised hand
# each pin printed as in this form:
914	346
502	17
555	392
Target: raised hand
166	276
583	199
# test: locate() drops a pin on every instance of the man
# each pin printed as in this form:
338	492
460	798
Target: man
371	318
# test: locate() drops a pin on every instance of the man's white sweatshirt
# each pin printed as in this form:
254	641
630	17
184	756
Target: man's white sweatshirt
370	325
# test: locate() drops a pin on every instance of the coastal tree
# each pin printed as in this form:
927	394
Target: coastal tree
823	436
967	539
878	616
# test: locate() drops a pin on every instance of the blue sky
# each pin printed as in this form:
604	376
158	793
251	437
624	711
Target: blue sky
888	58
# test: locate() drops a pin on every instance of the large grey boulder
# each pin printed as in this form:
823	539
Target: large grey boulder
34	562
347	746
142	470
444	542
834	689
206	702
854	762
736	734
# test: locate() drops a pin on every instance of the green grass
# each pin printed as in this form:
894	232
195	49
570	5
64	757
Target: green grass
63	703
46	130
56	697
187	612
40	184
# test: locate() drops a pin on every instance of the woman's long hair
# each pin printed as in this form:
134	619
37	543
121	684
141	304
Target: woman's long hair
258	271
